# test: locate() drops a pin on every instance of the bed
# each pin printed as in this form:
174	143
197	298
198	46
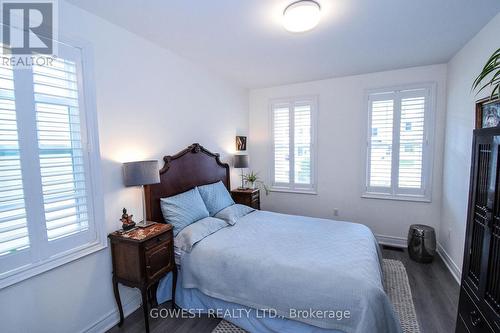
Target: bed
270	272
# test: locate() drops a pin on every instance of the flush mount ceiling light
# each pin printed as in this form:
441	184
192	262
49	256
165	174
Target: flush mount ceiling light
301	16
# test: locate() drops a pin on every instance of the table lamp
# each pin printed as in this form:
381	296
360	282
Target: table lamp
241	162
141	173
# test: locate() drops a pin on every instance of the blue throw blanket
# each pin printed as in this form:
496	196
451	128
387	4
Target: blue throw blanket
321	272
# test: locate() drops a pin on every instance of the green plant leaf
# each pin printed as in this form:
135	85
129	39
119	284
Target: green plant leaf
492	66
486	85
485	72
253	177
497	89
496	76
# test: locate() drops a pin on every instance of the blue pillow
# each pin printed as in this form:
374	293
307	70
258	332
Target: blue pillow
183	209
216	197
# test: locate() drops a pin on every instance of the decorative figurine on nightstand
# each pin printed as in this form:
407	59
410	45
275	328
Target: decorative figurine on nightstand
127	222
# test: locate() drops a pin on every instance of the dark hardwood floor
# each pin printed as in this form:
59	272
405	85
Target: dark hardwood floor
435	294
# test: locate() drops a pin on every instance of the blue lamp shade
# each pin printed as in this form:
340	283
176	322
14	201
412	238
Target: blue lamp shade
141	173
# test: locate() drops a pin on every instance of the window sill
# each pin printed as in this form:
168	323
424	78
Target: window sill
411	198
287	190
25	272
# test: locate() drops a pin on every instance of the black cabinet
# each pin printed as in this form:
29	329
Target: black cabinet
479	308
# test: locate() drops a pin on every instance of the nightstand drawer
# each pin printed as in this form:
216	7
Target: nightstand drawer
255	204
158	260
248	197
155	241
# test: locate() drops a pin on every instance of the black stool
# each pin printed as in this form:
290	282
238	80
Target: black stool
422	243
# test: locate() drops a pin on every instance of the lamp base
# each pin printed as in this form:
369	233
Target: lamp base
144	224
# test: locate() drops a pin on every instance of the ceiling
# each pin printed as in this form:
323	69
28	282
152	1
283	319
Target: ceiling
244	40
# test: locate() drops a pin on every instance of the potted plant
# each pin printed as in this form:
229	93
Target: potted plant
252	179
492	68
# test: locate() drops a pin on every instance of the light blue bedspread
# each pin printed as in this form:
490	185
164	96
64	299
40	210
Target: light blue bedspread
194	301
320	272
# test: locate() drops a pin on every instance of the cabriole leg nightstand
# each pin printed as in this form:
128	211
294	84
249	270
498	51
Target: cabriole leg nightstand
142	257
118	300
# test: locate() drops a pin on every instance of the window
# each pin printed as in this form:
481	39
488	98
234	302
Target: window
47	167
400	127
293	133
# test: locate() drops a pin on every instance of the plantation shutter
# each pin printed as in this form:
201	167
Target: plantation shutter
293	144
302	143
411	142
13	224
398	160
281	142
48	170
381	142
60	149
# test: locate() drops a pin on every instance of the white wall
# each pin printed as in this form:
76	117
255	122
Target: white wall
341	161
150	103
462	70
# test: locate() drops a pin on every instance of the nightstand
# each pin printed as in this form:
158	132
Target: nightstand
249	197
141	257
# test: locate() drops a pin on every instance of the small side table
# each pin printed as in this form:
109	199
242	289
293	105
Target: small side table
422	243
249	197
141	257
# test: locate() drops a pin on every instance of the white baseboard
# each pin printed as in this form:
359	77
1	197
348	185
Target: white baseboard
450	264
392	241
113	317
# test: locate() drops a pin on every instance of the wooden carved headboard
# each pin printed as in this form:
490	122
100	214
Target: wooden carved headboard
194	166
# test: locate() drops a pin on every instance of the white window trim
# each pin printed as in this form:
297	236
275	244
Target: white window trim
428	158
286	188
98	242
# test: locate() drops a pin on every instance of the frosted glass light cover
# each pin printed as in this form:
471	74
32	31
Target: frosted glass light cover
301	16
